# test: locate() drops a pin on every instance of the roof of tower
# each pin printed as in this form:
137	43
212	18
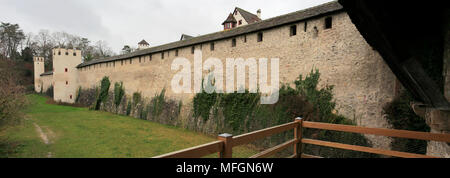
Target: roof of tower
186	37
294	17
249	17
143	42
230	19
47	73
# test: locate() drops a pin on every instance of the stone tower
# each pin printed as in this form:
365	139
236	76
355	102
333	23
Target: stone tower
38	70
65	74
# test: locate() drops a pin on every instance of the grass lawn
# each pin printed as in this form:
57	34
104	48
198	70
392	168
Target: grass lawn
80	133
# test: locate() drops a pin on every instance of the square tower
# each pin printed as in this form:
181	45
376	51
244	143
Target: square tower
38	70
65	74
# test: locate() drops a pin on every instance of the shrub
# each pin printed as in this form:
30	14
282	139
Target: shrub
49	91
128	108
322	99
103	93
136	98
77	97
401	116
12	95
158	103
119	92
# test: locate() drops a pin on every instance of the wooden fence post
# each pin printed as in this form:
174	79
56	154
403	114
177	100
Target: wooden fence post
298	137
227	151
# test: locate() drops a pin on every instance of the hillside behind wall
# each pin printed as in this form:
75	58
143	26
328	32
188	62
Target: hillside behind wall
363	82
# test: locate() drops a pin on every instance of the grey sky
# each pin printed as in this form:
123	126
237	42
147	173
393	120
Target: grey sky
120	22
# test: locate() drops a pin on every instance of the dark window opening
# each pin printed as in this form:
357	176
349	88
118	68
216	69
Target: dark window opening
67	83
150	57
240	22
293	30
245	38
176	52
140	60
192	49
260	36
59	53
131	61
162	55
306	26
328	23
74	54
121	62
212	46
67	53
233	42
70	96
65	69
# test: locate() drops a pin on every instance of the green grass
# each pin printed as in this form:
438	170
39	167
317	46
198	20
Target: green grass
81	133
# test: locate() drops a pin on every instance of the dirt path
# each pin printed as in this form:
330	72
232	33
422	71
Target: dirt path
43	136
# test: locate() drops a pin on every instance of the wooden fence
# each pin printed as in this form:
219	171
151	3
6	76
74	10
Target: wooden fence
226	142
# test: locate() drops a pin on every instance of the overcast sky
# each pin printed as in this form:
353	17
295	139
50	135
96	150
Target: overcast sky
120	22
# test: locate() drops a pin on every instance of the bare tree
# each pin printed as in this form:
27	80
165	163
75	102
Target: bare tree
102	49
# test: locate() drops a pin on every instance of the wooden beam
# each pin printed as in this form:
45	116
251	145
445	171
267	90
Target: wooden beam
275	149
379	131
227	150
310	156
298	136
196	152
249	137
364	149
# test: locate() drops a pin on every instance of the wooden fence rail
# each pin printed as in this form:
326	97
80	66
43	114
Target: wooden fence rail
226	142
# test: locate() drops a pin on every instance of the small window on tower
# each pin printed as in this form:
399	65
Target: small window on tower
162	55
140	59
212	46
65	69
67	82
245	38
328	23
260	37
192	49
176	52
70	96
59	53
233	42
240	22
293	30
67	53
306	26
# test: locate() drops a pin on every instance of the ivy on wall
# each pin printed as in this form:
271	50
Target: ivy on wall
103	92
243	113
401	116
